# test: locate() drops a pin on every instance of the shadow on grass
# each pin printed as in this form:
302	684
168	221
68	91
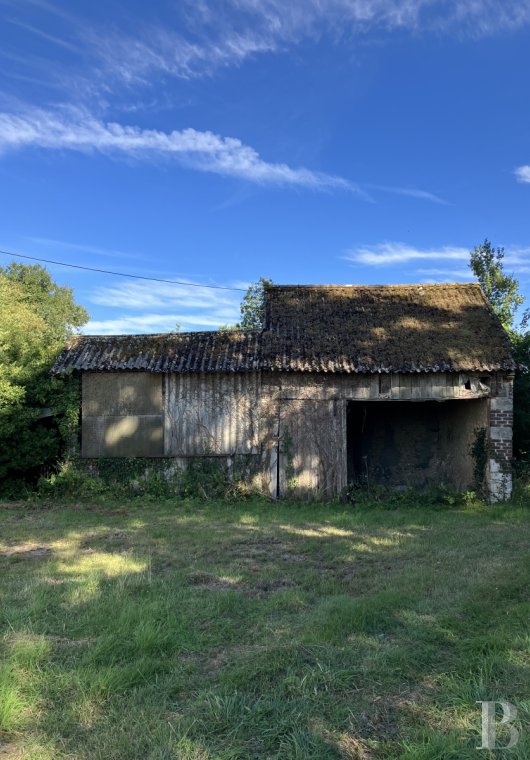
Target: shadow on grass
226	633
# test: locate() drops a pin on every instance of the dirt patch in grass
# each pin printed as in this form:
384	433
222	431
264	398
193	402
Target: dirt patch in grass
272	586
264	547
210	581
26	551
118	540
10	751
116	536
353	748
380	722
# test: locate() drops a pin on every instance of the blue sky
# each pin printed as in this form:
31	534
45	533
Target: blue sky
310	141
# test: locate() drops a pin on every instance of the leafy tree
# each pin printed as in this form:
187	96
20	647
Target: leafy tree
36	409
501	289
521	397
252	307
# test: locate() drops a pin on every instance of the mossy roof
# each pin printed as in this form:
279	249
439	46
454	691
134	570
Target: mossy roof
374	328
324	328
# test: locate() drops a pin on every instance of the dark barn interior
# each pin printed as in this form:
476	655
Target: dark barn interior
413	443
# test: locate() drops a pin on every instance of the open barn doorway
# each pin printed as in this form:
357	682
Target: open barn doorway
411	443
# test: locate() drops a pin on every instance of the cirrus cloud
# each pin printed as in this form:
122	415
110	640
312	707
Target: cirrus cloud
75	129
220	35
140	307
396	254
391	253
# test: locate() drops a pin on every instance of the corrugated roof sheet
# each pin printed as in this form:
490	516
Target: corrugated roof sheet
383	328
324	328
169	352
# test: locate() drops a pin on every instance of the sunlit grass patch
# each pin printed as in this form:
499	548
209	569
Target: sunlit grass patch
14	706
269	631
102	564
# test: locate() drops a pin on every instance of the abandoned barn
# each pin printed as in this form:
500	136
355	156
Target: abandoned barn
406	385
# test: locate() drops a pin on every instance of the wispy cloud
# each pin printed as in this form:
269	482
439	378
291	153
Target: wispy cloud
54	39
77	130
42	5
135	59
144	295
51	243
157	307
469	16
220	35
517	258
457	274
389	254
522	174
411	192
394	254
150	323
196	38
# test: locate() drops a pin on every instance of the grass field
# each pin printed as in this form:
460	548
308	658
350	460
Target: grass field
259	630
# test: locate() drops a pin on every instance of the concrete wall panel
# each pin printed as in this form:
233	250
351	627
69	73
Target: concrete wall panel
122	415
126	436
121	393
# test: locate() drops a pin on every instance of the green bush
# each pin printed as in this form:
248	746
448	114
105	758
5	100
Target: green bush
435	496
148	479
38	412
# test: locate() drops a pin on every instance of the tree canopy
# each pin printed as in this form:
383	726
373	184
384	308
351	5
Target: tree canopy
36	317
252	307
501	289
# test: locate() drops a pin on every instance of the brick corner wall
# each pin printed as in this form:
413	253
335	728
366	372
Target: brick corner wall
500	439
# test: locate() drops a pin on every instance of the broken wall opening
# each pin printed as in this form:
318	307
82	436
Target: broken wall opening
412	443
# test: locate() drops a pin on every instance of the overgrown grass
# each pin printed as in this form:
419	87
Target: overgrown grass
256	630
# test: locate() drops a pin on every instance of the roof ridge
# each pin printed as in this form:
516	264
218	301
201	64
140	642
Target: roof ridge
437	285
163	335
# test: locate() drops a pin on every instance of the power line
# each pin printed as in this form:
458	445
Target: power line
121	274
